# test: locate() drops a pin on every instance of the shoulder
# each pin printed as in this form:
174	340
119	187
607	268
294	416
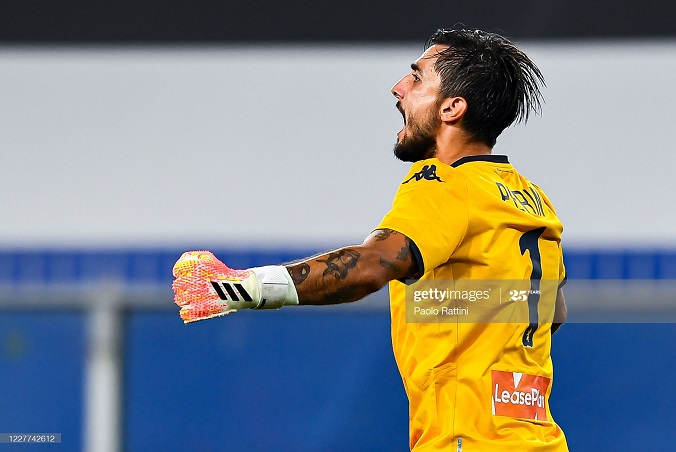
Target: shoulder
544	196
428	171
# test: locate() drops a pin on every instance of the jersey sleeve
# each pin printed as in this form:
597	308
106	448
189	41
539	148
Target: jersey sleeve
430	208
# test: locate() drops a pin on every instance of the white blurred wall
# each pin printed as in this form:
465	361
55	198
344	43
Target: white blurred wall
289	145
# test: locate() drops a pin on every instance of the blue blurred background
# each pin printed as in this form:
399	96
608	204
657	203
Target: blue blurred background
135	131
298	379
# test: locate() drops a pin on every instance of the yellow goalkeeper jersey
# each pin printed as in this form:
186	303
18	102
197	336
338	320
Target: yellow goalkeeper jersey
477	384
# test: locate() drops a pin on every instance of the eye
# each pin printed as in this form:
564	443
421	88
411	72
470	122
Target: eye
415	77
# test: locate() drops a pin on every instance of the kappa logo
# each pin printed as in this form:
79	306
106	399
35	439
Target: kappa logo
519	395
232	289
428	172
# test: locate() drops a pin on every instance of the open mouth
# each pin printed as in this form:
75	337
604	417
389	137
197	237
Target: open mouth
400	134
401	110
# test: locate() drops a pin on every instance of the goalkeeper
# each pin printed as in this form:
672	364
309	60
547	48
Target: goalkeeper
461	213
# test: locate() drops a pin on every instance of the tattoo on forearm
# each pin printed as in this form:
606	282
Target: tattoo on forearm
340	262
299	273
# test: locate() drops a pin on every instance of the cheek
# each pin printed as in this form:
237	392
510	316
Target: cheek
417	120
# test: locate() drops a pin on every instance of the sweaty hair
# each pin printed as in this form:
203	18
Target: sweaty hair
499	82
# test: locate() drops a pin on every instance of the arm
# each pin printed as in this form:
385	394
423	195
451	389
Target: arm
350	273
205	287
560	311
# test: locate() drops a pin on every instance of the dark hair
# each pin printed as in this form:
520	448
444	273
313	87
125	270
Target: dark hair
499	82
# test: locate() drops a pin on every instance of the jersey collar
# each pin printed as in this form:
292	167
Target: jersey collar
481	158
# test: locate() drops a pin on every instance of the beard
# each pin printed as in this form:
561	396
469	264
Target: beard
421	142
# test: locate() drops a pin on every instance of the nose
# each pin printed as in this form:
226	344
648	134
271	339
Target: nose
398	89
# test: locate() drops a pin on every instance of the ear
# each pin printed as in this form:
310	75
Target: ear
452	109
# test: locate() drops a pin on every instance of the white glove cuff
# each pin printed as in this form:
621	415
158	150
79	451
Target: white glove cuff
277	287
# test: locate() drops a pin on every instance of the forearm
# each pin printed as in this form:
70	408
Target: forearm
341	276
205	287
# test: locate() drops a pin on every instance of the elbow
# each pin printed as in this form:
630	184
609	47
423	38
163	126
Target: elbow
561	314
561	309
559	320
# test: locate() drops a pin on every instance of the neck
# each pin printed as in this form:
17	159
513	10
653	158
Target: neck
449	154
453	143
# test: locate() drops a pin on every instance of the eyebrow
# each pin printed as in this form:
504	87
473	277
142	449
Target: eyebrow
415	67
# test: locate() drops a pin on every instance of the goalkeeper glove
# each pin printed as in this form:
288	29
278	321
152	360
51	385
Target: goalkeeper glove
205	287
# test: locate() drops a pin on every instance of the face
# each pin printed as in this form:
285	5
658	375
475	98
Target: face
417	96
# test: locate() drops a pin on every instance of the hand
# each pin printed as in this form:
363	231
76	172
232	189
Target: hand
206	288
